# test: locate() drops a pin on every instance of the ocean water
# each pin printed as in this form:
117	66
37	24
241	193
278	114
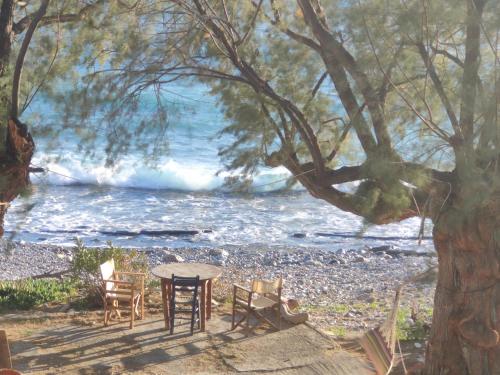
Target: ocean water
181	201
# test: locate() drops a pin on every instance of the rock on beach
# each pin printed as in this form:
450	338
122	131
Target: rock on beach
324	281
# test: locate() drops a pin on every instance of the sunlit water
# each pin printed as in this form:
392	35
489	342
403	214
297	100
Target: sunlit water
179	202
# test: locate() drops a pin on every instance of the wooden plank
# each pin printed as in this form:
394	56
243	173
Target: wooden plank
5	361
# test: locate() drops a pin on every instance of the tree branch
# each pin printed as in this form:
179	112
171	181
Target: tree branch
330	46
16	81
470	74
251	25
451	57
260	85
276	21
20	26
438	85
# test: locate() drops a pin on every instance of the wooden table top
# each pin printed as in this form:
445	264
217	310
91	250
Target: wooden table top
205	271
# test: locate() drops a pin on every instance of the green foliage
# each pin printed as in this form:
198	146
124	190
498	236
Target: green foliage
413	329
337	331
121	51
29	293
86	261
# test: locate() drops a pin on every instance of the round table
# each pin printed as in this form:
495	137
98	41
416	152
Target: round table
206	272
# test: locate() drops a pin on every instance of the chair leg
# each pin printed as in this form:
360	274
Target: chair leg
172	319
248	323
106	314
234	316
193	314
116	309
132	312
198	316
136	309
142	304
278	316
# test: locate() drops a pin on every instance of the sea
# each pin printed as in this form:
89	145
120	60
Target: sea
181	200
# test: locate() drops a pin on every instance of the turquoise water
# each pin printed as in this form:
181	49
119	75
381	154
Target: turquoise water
179	201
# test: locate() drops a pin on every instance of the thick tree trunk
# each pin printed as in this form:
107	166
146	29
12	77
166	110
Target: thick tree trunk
466	322
14	165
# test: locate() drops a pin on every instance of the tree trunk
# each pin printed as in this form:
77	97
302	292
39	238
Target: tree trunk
16	144
466	321
14	165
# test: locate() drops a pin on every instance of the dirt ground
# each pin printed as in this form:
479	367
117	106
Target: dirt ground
78	343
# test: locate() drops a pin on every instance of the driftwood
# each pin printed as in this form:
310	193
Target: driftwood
49	275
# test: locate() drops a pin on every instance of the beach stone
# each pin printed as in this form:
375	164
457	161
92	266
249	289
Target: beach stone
169	257
218	256
218	253
360	259
381	249
314	263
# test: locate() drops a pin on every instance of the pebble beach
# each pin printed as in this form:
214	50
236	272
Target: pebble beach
352	289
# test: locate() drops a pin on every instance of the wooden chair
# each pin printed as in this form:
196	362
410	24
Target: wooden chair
379	343
261	296
122	287
184	299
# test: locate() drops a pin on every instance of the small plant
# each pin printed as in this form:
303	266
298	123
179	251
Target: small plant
86	261
26	294
153	284
412	327
337	331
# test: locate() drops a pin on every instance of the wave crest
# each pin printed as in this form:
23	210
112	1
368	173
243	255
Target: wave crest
168	175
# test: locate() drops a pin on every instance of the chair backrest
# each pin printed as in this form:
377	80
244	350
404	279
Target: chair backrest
378	351
266	286
185	285
107	273
182	283
380	343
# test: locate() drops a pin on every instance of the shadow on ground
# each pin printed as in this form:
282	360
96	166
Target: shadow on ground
72	348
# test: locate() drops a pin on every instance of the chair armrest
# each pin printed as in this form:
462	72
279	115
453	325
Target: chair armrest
236	286
140	274
119	282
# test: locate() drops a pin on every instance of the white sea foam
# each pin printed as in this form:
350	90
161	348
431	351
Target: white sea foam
169	174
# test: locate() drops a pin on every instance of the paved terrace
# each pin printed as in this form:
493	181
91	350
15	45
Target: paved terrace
82	345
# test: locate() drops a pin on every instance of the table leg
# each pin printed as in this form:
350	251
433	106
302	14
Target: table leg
209	299
165	296
203	298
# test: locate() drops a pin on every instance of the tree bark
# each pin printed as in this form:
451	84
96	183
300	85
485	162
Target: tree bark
16	143
465	328
14	165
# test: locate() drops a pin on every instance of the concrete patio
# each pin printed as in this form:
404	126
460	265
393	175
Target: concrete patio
86	347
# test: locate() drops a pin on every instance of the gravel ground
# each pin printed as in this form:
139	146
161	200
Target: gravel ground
351	289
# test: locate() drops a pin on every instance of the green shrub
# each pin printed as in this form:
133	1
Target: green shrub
86	261
408	329
25	294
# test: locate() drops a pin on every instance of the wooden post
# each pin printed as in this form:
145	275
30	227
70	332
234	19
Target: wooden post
5	361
